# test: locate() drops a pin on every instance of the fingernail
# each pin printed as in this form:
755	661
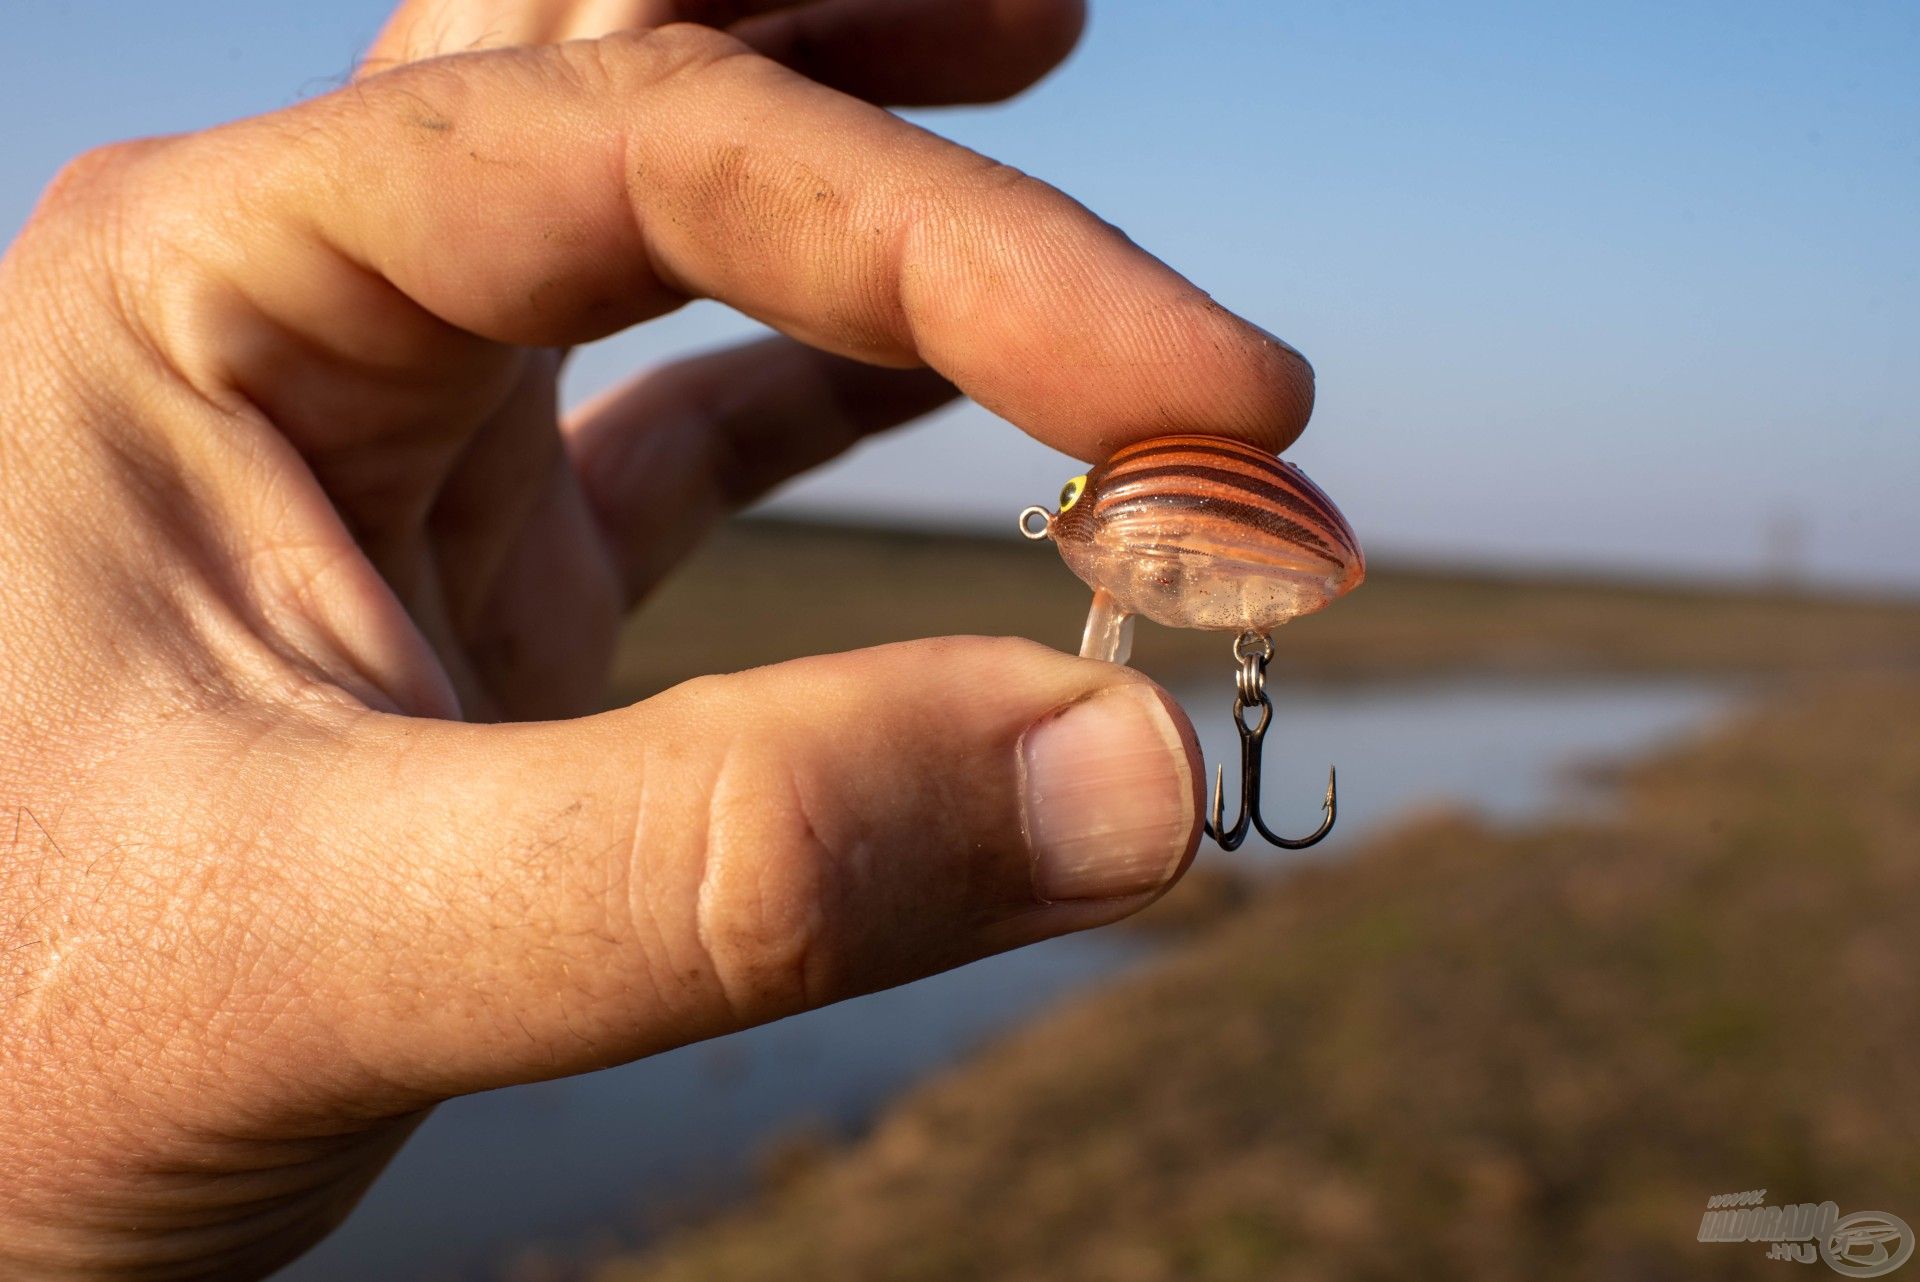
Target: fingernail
1108	796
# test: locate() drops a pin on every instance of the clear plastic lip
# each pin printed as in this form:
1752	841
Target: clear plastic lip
1183	588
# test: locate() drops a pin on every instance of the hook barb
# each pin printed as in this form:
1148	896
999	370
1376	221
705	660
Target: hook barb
1217	823
1253	650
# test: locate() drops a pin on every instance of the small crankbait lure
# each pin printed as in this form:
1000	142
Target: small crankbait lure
1206	532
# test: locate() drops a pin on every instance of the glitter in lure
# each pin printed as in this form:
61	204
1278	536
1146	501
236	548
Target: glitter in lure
1206	532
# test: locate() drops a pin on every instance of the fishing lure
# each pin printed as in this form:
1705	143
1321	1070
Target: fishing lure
1206	532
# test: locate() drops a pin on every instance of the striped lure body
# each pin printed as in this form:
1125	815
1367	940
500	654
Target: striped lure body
1206	532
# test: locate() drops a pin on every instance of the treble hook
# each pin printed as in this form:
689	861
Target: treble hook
1253	650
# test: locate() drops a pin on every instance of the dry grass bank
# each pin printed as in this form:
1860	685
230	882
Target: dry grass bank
1465	1054
763	590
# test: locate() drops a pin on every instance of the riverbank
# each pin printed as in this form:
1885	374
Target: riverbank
760	591
522	1185
1464	1052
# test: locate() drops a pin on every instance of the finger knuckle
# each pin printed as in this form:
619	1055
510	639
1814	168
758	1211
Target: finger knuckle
97	171
89	198
769	902
978	187
632	60
997	178
92	235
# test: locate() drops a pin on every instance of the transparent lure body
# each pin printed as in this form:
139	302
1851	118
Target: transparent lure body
1199	532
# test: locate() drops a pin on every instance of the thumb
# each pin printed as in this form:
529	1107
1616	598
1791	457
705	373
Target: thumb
527	901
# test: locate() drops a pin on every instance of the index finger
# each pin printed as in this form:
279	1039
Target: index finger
555	195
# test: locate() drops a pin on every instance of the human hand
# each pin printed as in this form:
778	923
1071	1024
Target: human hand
291	530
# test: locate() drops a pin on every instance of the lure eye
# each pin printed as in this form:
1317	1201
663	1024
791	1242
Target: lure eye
1071	491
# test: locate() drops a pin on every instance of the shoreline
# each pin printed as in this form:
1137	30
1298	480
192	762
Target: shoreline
761	590
1516	1102
622	1154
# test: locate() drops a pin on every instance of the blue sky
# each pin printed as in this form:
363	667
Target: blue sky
1622	286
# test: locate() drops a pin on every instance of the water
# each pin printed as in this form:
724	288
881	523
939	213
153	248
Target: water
556	1161
1503	747
561	1160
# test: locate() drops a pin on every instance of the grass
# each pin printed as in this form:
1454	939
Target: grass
1467	1053
766	590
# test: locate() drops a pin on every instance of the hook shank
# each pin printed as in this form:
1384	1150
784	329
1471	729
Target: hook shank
1253	650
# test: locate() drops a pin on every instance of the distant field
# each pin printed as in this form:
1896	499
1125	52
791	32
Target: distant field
1466	1054
761	591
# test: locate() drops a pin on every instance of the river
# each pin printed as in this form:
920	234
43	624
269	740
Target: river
633	1146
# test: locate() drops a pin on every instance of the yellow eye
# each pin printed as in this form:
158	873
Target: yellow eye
1070	492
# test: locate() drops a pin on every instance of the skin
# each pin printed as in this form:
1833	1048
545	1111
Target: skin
309	586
